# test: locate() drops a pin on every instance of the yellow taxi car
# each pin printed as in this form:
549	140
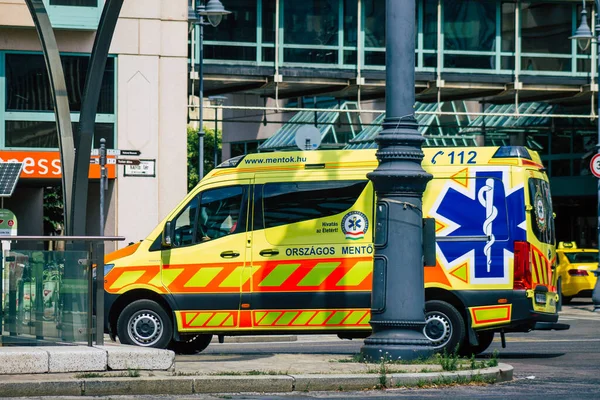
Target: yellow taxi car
574	276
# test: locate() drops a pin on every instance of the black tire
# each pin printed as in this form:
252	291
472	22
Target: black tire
445	327
485	339
566	299
145	323
191	345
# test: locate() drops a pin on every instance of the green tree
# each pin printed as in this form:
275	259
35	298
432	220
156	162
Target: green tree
53	210
192	152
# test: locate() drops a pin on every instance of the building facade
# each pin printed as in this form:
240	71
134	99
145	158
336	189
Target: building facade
142	107
497	71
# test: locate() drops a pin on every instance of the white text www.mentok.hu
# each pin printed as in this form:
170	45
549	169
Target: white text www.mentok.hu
275	160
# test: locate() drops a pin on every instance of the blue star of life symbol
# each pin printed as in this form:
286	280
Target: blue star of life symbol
354	223
491	214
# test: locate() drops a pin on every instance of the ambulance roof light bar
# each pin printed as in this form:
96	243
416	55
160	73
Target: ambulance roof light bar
512	152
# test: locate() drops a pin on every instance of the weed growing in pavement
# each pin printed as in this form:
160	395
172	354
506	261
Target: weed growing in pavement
133	373
252	372
85	375
182	373
449	362
475	380
493	361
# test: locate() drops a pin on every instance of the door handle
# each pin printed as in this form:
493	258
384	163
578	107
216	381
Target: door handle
229	254
269	252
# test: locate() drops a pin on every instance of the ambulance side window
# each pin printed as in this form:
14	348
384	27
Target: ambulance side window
542	219
184	225
289	202
211	215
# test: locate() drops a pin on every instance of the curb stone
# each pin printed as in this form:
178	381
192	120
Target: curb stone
161	385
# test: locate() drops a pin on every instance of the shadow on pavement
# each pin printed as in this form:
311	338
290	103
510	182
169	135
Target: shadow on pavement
528	355
208	358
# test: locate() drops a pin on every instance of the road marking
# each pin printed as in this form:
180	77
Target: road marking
546	340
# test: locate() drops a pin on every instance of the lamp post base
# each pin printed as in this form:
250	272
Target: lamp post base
397	344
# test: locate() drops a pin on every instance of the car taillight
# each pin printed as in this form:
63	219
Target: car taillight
522	276
577	272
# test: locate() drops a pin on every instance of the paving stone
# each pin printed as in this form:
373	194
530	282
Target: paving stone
23	360
75	359
124	357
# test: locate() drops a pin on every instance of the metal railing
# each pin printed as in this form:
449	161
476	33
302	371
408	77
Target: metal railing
48	286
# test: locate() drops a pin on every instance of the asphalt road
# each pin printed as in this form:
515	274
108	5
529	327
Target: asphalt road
547	364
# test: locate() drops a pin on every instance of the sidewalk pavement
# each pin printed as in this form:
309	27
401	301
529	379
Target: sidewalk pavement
148	371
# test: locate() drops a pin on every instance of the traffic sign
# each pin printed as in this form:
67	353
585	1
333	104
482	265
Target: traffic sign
117	152
595	165
127	161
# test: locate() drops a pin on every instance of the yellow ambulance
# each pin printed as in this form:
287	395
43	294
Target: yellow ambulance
283	243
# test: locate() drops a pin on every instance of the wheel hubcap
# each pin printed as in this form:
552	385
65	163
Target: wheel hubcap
437	329
145	328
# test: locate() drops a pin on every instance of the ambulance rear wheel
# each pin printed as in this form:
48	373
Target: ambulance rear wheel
444	326
144	323
485	339
191	344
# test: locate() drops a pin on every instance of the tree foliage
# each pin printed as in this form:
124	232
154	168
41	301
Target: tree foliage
53	210
192	153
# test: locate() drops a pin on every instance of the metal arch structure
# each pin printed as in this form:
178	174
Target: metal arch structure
61	100
87	118
75	165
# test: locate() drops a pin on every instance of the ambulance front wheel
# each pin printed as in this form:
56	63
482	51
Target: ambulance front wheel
191	344
145	323
444	326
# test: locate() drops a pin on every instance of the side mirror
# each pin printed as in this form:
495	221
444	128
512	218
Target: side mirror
429	242
167	235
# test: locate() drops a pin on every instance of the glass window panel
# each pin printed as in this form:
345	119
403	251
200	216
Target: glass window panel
546	27
42	134
325	56
76	3
350	57
542	140
220	211
374	58
268	21
507	63
584	65
469	25
545	64
184	225
374	14
350	22
583	142
430	60
561	168
311	22
541	213
28	87
287	203
508	26
239	26
237	149
268	54
430	24
236	53
469	62
561	143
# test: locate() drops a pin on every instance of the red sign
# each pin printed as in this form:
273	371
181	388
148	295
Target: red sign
46	164
595	165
